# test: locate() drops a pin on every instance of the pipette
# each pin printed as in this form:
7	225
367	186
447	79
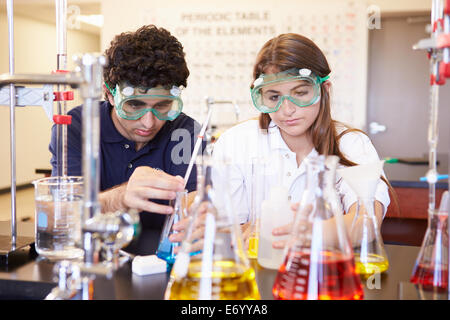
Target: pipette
197	146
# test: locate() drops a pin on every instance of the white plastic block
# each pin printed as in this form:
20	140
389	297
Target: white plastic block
144	265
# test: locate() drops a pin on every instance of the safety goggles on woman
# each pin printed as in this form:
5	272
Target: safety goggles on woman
306	93
132	103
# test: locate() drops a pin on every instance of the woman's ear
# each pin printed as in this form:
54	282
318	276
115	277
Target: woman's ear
327	86
108	95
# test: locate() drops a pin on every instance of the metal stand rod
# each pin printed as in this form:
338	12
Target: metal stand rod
70	79
12	120
61	64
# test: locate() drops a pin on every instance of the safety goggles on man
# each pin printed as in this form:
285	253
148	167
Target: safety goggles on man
306	93
132	103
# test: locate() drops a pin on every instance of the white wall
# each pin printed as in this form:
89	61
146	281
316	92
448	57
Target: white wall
399	6
35	52
221	58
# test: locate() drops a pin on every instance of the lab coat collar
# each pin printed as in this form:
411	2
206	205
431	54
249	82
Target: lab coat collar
275	139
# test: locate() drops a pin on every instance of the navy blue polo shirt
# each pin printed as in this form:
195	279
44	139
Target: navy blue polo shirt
118	157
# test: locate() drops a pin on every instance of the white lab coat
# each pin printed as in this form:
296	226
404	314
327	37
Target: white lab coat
246	143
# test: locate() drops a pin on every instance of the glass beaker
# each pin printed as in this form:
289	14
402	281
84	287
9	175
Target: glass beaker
221	269
431	268
166	247
59	202
319	263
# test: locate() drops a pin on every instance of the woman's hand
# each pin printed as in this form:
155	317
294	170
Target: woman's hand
199	229
284	230
287	229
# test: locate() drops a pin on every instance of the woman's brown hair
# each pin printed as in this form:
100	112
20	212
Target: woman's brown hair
292	50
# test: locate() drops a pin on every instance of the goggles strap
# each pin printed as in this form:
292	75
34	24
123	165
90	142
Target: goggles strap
322	80
113	92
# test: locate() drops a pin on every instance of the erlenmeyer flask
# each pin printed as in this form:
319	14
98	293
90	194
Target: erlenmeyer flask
166	247
431	268
365	234
318	262
221	269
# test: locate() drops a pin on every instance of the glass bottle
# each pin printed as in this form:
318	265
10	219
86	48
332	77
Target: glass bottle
166	248
365	233
220	269
431	268
319	263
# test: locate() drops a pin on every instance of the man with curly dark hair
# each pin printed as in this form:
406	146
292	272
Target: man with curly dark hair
144	77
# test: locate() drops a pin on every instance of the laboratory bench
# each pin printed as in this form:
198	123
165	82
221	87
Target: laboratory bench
31	277
406	225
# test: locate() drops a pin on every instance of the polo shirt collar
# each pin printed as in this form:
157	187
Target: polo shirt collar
276	141
108	130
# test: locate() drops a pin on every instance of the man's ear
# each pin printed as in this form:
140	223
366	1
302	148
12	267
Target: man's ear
108	95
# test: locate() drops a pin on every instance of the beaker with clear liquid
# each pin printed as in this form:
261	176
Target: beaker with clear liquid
431	268
166	248
365	233
59	202
319	262
220	270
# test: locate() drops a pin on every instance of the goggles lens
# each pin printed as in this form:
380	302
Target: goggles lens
304	89
132	103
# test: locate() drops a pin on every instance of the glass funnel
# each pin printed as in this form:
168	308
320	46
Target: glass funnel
319	263
365	234
166	248
220	269
431	268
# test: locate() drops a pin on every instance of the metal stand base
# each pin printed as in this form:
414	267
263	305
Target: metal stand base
7	250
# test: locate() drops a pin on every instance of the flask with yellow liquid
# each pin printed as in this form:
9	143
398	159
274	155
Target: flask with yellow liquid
365	234
220	269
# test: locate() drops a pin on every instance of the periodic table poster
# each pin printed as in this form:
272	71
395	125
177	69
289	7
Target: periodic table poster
221	43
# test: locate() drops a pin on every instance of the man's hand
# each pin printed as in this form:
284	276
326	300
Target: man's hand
145	183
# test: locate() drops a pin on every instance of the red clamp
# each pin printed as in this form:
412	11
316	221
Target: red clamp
62	119
447	7
443	41
62	95
60	71
435	25
444	70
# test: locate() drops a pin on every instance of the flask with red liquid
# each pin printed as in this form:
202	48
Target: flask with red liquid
431	268
319	262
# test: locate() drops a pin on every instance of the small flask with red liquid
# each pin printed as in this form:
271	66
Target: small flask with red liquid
431	268
319	262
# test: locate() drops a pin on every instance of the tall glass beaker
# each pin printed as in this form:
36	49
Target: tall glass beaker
431	268
59	203
166	248
221	270
319	262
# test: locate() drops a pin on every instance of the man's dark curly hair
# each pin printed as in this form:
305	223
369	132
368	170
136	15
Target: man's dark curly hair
146	58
